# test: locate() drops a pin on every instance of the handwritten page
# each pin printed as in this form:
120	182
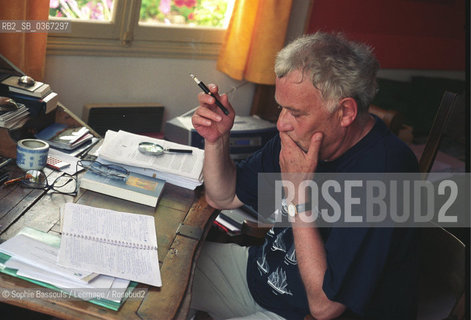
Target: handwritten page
122	147
113	243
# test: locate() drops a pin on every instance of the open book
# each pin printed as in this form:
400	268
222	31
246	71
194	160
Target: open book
108	242
185	170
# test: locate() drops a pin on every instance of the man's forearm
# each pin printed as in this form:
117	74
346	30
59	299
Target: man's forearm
220	174
312	265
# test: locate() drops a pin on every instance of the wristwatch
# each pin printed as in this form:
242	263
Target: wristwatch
293	209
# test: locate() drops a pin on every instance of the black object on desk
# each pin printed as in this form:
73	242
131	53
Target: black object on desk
5	161
4	176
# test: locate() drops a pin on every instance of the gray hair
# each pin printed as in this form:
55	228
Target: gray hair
337	67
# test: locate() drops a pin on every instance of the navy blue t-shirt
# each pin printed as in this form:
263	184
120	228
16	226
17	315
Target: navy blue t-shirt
372	271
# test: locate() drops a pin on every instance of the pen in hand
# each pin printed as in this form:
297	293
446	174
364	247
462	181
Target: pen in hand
206	90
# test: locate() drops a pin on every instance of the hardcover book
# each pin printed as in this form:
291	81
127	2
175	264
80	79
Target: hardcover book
37	106
136	187
39	89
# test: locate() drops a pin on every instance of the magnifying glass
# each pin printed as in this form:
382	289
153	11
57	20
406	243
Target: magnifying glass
155	149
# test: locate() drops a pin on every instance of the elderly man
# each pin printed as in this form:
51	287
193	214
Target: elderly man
324	86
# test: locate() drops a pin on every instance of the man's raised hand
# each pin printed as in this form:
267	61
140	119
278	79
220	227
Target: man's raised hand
209	120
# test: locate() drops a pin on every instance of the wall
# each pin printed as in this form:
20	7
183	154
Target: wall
83	80
409	34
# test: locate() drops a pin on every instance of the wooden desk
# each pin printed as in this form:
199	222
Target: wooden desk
178	248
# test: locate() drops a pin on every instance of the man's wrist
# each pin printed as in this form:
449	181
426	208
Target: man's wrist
219	143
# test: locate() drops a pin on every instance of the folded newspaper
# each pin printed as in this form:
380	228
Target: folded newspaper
182	169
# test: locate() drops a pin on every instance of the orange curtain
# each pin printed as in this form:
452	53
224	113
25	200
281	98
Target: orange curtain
25	50
255	34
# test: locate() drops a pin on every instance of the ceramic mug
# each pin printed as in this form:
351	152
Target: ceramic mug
31	154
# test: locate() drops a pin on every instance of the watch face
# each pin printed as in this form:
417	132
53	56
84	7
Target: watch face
291	209
284	206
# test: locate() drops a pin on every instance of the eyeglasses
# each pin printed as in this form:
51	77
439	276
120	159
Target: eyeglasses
64	184
106	170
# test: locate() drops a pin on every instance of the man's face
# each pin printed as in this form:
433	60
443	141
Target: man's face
304	113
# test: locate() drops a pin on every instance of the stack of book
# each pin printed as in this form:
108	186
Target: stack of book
60	136
144	176
96	258
38	97
15	118
181	169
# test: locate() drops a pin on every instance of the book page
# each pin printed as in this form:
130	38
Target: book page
109	225
122	147
113	243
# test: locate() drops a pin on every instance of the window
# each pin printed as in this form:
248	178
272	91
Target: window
172	28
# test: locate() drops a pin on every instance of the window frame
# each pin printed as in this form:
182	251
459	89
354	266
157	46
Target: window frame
124	36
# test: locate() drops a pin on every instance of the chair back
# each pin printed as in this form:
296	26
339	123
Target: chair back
439	125
442	275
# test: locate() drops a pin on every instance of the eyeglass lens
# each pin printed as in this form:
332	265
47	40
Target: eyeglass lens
35	179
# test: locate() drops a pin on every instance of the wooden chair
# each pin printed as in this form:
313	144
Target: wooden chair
442	275
440	122
442	255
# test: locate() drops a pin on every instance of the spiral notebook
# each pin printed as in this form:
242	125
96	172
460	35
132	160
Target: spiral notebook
109	242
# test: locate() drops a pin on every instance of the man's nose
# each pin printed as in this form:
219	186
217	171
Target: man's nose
283	124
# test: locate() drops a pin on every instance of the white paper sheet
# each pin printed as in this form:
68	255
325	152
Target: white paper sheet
118	244
42	255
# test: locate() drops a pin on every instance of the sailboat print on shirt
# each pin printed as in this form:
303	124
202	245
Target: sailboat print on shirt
277	280
279	243
290	257
262	263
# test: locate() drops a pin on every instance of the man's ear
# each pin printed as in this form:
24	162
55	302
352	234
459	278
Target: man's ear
348	111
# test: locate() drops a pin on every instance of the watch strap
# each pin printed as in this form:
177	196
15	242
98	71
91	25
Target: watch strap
303	207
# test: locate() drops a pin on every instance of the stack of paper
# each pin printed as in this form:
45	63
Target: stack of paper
185	170
32	255
15	118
